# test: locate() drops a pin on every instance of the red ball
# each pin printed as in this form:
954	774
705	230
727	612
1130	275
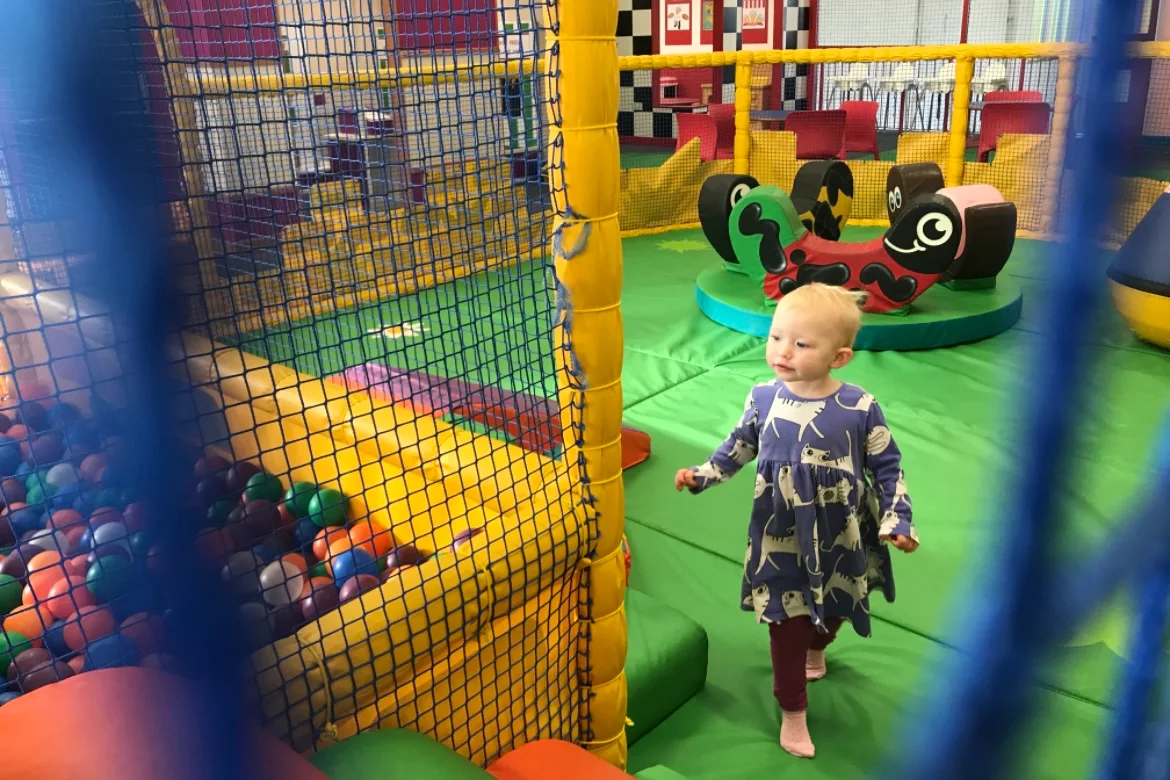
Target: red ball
210	464
45	674
103	515
47	448
238	475
403	555
92	467
134	516
88	624
146	630
323	596
13	490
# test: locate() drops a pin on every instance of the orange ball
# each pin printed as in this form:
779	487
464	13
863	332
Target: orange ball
67	520
88	624
30	621
374	540
76	566
43	571
77	664
325	539
73	536
145	630
69	595
13	507
296	559
27	598
17	433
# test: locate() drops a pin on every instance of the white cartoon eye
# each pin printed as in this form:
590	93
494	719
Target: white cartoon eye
942	224
897	197
739	191
890	199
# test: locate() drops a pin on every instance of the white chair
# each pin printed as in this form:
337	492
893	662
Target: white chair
855	80
902	82
941	85
993	78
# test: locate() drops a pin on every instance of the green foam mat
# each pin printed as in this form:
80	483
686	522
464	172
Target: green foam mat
941	317
394	752
858	714
666	661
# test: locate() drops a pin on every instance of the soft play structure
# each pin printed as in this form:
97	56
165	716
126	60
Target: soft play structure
1139	276
959	236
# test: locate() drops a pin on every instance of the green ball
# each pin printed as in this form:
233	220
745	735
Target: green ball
298	497
39	493
107	497
9	593
110	577
36	479
319	570
263	486
140	542
12	644
327	508
217	513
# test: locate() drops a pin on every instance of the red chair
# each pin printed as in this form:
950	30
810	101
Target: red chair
724	116
860	128
701	126
1015	118
820	135
1008	96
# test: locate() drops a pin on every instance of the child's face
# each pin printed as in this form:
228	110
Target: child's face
804	347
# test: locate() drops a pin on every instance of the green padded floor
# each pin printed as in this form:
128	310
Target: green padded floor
666	661
394	753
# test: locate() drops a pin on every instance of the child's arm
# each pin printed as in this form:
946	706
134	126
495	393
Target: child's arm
883	460
738	450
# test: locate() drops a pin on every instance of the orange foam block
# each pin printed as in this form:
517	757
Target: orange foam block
552	759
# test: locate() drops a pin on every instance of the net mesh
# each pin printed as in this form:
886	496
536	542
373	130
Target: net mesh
379	475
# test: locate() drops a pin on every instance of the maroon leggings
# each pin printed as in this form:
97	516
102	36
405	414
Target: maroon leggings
791	641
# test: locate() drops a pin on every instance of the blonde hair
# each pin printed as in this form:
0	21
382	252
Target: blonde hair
840	306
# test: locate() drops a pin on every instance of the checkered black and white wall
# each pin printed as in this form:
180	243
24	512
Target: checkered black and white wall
797	22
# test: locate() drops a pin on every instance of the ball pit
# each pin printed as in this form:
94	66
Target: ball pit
79	563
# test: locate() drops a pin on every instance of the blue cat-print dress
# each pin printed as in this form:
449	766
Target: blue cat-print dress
828	483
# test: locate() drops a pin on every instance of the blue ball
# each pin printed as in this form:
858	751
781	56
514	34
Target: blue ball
352	563
65	497
10	459
111	651
26	519
265	552
54	637
23	470
83	504
7	697
306	530
61	414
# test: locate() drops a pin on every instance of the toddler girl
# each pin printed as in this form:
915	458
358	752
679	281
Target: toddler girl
829	495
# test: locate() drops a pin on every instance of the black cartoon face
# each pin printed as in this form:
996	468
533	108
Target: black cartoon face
925	237
904	183
718	196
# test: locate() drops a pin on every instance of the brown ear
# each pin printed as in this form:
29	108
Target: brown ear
990	236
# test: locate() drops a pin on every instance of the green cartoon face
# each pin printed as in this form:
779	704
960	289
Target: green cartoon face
765	212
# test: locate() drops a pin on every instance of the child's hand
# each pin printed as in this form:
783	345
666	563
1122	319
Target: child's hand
903	543
685	478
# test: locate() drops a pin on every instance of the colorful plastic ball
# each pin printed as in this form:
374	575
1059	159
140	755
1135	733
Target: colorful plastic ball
287	518
327	507
15	564
49	539
353	562
147	631
32	415
87	625
110	577
26	519
284	621
217	513
47	448
265	486
242	572
54	639
110	652
62	414
92	466
27	660
134	516
5	422
108	497
44	569
322	595
30	621
211	489
140	542
7	537
266	552
12	644
65	520
8	696
298	496
12	490
404	555
45	674
213	544
111	533
103	514
371	538
63	474
106	551
39	494
69	594
261	517
241	535
326	538
210	464
10	455
321	570
281	583
238	475
355	586
23	470
9	593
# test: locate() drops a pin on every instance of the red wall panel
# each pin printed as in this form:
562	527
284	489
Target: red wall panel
232	29
444	24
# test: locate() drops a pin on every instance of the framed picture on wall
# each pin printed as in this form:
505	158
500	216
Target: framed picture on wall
678	23
707	22
755	21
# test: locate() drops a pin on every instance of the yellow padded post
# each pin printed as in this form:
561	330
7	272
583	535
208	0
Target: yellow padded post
584	178
960	116
1066	74
743	115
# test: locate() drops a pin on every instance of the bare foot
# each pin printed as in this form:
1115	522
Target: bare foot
794	736
814	667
